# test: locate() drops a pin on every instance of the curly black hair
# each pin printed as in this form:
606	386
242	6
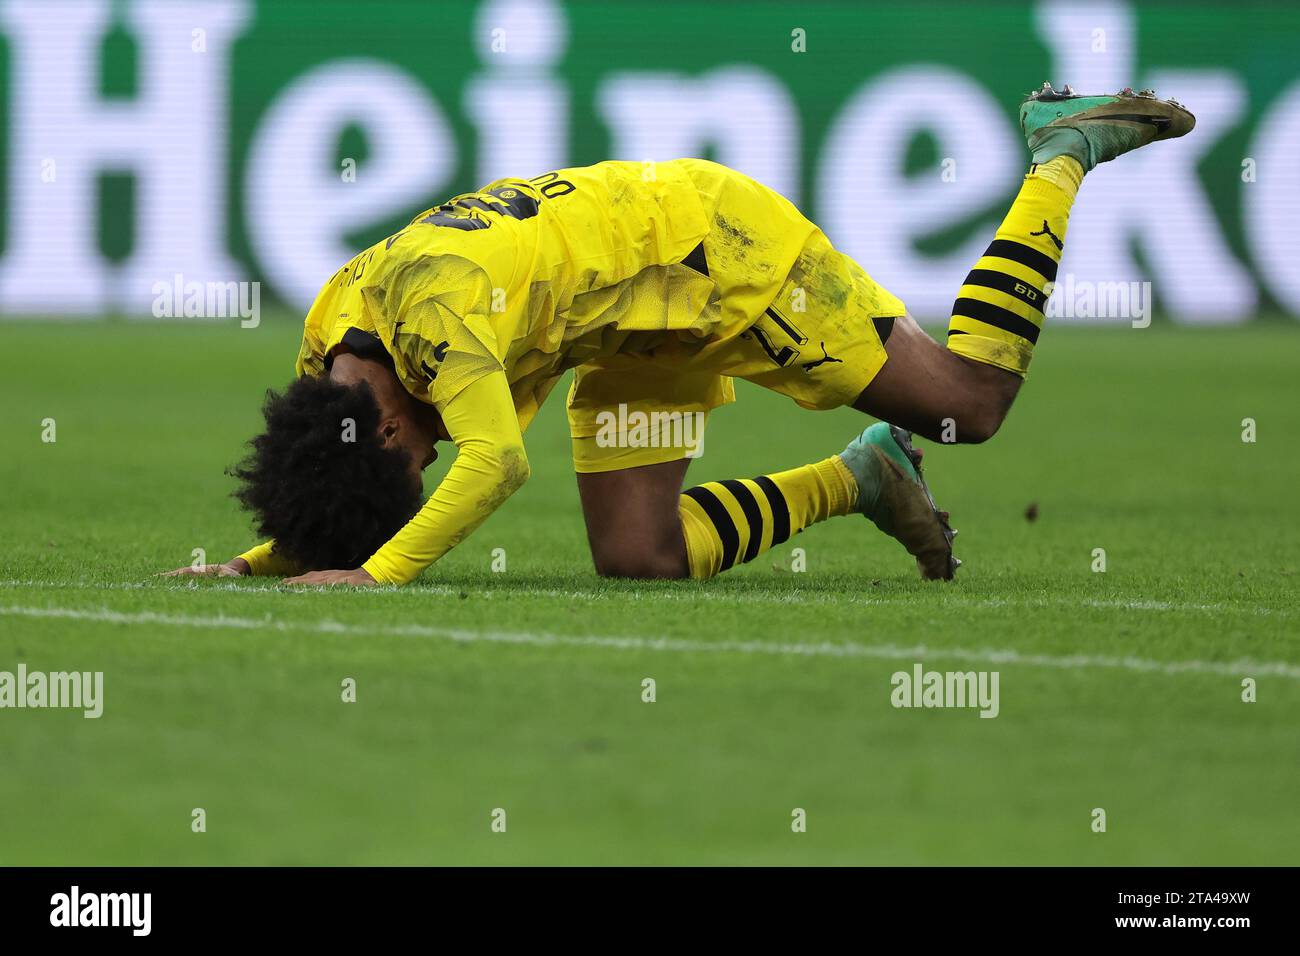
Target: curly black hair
328	502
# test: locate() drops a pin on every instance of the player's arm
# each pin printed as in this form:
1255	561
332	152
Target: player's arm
260	560
490	466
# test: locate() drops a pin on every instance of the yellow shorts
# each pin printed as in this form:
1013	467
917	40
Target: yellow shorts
632	411
816	340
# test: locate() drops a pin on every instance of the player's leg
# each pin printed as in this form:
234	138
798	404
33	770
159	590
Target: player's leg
815	341
960	393
936	393
640	523
731	522
632	518
635	425
963	392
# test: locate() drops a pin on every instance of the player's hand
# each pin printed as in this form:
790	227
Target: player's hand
357	576
234	568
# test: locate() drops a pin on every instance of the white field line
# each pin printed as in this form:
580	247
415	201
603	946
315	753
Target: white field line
845	649
793	597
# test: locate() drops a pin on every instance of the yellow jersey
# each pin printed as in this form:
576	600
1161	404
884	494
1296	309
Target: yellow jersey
535	277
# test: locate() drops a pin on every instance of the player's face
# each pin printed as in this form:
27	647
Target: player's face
404	424
406	434
423	458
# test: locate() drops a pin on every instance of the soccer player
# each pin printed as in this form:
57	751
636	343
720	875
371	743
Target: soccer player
659	283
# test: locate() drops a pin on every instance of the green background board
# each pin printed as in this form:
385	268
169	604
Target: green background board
1259	43
996	44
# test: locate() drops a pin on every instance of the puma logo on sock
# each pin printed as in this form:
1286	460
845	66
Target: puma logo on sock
1047	231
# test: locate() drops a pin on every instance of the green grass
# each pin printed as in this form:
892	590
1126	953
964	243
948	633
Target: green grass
226	696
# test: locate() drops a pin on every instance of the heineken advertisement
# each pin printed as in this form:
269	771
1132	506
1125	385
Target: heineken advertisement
156	147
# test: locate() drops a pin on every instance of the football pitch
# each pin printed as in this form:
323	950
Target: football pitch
510	678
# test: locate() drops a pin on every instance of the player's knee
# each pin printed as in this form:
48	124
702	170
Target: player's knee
966	424
980	423
987	396
628	564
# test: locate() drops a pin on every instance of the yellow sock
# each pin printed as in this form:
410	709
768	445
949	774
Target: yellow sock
999	310
730	522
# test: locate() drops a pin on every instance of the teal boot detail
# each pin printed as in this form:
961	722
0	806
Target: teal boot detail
1097	129
893	494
